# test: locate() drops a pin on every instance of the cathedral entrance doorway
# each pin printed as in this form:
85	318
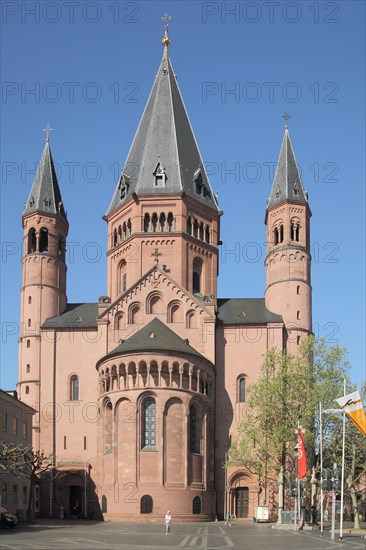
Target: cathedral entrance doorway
75	500
242	502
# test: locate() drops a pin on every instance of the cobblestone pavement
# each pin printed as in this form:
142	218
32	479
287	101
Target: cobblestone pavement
85	535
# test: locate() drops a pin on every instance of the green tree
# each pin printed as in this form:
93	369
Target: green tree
288	393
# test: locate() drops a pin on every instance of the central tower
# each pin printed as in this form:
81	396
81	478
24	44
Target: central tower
163	208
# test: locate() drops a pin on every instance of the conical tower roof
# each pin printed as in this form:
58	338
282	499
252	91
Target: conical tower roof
45	195
164	157
287	183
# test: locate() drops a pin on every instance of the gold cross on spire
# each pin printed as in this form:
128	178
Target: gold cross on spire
156	254
48	129
166	18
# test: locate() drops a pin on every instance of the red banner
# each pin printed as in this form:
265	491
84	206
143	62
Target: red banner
301	455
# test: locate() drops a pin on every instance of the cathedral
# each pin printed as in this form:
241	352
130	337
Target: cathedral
139	394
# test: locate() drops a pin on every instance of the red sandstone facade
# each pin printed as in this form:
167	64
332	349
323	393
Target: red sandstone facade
138	395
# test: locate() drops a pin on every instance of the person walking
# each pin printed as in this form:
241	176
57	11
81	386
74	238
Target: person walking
168	522
228	519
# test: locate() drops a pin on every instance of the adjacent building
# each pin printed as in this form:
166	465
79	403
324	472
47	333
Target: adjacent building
16	430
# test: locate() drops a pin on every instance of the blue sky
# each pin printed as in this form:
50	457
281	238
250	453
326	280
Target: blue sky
240	66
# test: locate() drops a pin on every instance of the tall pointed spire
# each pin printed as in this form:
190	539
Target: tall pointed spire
164	157
287	183
45	195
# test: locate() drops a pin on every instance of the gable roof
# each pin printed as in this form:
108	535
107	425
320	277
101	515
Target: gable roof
45	194
75	315
164	144
245	311
155	336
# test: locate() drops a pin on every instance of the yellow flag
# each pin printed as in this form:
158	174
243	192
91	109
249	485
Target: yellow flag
352	405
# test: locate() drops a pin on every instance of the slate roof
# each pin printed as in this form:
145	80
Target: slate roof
287	183
45	195
75	315
245	311
164	142
155	336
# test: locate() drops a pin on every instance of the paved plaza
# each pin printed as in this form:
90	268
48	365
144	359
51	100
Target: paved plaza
88	535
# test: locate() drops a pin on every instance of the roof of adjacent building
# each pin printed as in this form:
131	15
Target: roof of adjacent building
155	336
45	194
245	311
287	183
164	144
75	315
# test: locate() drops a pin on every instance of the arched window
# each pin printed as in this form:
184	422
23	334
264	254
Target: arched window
29	322
162	221
298	315
28	367
195	229
146	222
207	234
197	273
191	319
298	340
122	276
29	299
201	231
154	303
28	343
135	314
174	312
146	505
241	389
189	225
43	240
32	242
149	423
108	433
115	237
154	221
119	234
281	234
193	429
275	236
129	227
124	231
74	388
104	504
170	221
27	390
196	505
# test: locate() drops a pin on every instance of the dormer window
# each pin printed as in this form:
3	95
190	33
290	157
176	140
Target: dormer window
123	186
31	201
278	192
160	176
199	188
295	190
47	201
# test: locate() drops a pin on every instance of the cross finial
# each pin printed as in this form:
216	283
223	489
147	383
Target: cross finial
166	18
156	254
48	129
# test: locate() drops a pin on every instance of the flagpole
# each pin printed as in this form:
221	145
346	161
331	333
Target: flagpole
343	455
321	470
